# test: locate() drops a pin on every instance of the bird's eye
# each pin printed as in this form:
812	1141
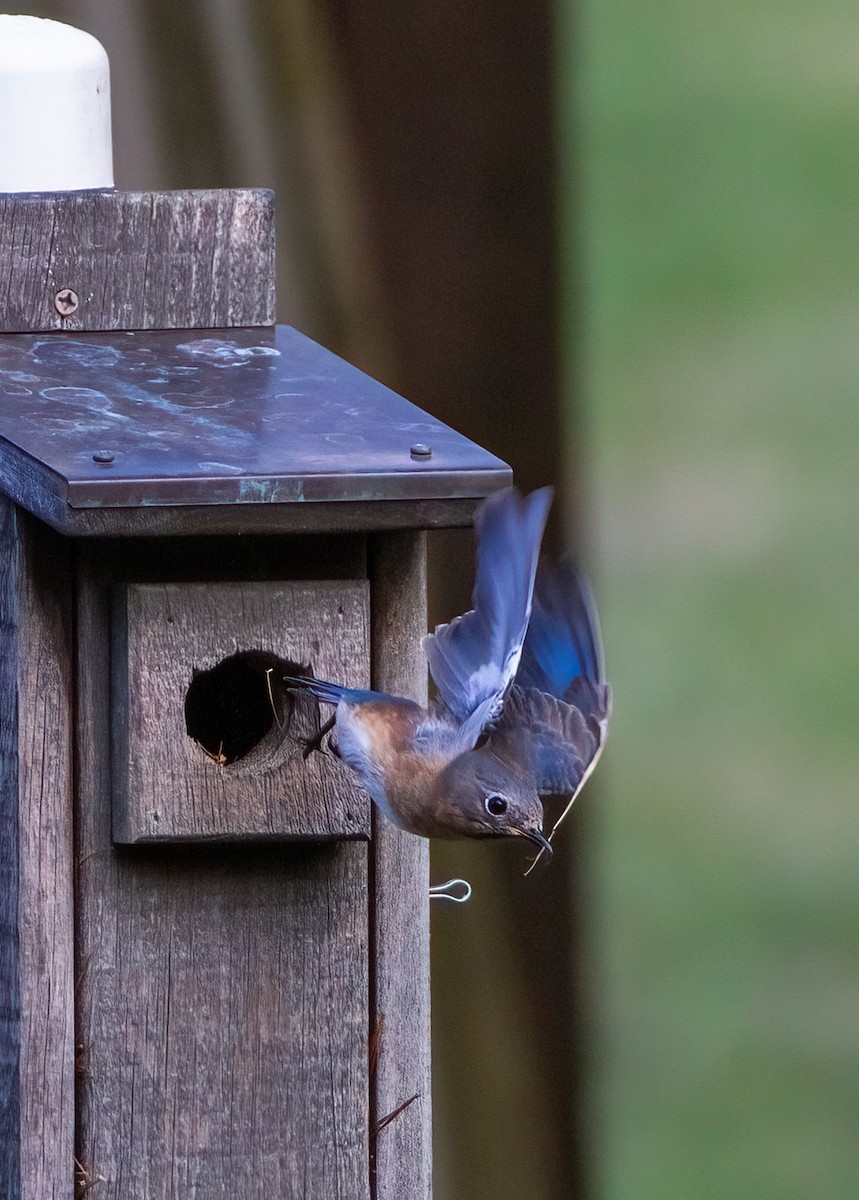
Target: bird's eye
496	806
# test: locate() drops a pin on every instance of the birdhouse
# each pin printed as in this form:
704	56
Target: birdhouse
214	973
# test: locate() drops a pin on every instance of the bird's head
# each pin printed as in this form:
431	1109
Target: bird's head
490	792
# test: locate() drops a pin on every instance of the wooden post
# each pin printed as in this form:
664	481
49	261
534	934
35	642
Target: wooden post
55	113
400	1001
36	923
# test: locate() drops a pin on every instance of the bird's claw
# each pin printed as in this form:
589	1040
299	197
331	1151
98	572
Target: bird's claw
315	742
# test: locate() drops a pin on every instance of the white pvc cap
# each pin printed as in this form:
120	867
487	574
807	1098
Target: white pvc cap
54	108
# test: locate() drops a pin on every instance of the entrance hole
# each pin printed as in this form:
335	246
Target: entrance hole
231	707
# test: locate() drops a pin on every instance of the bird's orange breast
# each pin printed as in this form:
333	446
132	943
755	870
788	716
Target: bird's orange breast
408	776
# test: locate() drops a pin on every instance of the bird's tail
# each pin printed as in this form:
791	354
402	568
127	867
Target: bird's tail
322	690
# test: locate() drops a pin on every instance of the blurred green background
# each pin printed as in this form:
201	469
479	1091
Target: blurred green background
710	186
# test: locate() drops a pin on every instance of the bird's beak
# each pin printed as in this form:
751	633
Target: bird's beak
539	839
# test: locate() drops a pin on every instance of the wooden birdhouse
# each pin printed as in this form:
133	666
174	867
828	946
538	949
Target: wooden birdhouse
214	974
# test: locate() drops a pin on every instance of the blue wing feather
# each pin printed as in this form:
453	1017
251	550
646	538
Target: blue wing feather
474	658
560	695
564	740
562	654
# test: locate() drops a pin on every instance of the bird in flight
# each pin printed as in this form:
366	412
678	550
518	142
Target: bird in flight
522	707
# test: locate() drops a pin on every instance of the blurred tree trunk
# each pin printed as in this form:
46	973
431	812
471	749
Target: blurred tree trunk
411	147
452	105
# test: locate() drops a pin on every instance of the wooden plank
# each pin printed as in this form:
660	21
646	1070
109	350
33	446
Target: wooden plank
166	786
222	995
36	923
10	992
137	260
400	1000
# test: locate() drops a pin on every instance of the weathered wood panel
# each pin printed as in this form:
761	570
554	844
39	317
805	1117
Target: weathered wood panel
166	786
36	925
10	992
222	995
400	1006
137	260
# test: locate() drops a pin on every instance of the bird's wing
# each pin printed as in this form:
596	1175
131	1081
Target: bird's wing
562	655
474	659
565	742
560	695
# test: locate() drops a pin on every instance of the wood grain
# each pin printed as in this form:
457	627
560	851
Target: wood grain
165	786
222	995
36	924
400	1003
10	850
137	260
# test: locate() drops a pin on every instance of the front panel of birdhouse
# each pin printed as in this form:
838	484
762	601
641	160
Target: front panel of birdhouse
223	903
208	740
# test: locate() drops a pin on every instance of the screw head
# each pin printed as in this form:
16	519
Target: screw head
421	450
66	302
103	456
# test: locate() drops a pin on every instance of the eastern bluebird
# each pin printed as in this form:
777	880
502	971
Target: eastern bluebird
522	705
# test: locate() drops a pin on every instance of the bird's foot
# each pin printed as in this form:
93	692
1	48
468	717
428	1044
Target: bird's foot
315	742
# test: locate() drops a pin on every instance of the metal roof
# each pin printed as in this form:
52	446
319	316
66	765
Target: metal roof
218	417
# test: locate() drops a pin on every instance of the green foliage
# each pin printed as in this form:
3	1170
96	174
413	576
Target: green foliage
713	235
